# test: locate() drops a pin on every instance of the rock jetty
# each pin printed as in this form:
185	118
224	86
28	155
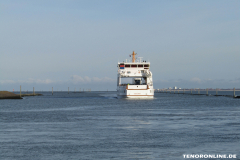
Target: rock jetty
10	95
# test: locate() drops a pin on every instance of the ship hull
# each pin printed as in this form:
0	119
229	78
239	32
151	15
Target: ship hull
136	97
123	92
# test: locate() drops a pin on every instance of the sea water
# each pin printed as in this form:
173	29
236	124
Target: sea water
97	125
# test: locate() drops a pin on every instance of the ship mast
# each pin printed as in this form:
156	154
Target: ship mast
133	56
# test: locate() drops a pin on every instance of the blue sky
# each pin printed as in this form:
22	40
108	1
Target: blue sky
77	44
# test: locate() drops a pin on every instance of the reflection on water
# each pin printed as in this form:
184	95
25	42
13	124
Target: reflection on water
96	125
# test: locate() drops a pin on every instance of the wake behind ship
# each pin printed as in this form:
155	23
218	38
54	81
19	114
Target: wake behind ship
142	83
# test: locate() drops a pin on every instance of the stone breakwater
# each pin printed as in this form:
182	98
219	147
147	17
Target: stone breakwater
10	95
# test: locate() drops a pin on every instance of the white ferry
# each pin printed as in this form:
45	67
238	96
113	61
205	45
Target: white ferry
142	83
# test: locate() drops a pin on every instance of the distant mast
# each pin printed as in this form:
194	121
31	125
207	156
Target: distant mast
133	56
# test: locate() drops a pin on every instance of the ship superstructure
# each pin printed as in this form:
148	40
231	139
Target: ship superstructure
141	85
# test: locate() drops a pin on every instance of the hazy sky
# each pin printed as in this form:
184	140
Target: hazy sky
77	43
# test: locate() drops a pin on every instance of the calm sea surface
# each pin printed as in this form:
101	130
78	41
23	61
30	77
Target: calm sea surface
96	125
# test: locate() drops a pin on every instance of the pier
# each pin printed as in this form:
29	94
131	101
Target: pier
198	92
23	93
